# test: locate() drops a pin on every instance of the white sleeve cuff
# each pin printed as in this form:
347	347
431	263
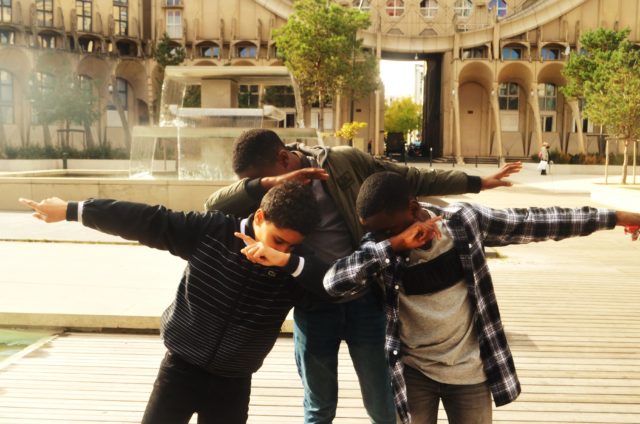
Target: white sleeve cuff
299	269
80	207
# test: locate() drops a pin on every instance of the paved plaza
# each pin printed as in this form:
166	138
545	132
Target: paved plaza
570	309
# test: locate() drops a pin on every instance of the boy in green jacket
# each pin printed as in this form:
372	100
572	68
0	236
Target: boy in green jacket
335	174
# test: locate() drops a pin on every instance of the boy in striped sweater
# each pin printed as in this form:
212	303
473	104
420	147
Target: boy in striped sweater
242	278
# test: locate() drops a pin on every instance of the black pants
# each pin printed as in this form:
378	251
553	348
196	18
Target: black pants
182	389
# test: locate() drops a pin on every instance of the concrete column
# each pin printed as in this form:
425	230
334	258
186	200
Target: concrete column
378	145
495	110
532	97
456	120
337	119
577	119
219	94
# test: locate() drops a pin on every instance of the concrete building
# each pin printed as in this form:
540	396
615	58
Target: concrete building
491	84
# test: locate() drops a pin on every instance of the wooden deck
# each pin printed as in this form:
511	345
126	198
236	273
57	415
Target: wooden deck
573	321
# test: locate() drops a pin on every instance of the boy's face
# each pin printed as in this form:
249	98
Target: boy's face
282	239
386	224
278	167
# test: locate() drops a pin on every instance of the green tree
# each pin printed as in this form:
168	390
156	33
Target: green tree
58	94
320	47
350	129
606	74
402	115
166	53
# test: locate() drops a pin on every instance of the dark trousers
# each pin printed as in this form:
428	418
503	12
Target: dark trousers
182	389
464	404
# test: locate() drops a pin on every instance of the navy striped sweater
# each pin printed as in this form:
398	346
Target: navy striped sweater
228	311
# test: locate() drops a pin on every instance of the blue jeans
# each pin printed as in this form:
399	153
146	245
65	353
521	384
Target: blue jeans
317	335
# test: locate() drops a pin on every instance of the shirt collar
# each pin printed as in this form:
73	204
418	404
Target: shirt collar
246	227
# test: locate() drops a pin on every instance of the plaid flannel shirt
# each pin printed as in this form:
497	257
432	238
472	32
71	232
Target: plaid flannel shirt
472	227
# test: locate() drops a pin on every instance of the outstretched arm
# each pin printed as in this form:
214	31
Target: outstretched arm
153	226
349	276
500	227
631	223
498	180
243	197
306	270
437	182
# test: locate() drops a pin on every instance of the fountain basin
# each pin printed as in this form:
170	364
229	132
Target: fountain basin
185	195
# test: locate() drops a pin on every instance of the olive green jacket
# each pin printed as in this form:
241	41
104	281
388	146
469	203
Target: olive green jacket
347	168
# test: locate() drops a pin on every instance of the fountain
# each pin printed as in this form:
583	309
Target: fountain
201	138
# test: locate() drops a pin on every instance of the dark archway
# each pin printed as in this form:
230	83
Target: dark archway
431	131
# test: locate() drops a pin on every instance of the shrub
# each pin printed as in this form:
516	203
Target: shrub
103	151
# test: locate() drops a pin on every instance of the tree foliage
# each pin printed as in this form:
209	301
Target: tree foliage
320	47
402	115
167	54
606	74
350	129
57	94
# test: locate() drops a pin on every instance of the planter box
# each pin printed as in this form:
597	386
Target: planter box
22	165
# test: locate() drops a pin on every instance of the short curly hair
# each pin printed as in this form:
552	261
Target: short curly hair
255	148
292	206
383	192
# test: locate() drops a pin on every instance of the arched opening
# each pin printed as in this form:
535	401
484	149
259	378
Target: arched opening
127	48
245	50
89	44
475	81
208	50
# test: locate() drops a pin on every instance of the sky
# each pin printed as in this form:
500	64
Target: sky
398	77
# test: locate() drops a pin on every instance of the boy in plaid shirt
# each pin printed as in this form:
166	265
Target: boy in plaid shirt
444	337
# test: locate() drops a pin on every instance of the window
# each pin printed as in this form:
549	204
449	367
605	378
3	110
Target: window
47	41
122	94
548	123
508	96
5	10
7	36
547	97
174	23
83	15
246	51
395	7
429	8
463	8
173	3
6	98
362	4
248	96
44	13
87	45
86	85
512	53
43	84
500	6
550	53
210	51
475	53
279	96
121	17
587	126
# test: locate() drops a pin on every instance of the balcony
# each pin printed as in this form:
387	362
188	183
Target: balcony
172	4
